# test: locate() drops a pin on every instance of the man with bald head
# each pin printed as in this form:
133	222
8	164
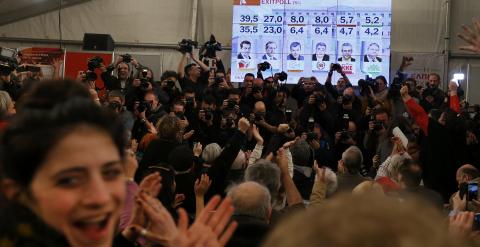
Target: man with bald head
252	203
466	173
263	120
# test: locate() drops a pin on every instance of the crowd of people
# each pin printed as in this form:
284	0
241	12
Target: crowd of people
190	160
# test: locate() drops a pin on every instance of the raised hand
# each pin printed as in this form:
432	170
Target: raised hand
212	228
472	37
202	185
243	125
256	135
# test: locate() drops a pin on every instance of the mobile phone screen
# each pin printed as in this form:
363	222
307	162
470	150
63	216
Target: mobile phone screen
472	191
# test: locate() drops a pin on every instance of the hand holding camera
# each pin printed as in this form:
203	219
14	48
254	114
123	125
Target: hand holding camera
336	67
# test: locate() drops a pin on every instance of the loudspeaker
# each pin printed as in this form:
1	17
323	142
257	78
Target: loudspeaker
98	42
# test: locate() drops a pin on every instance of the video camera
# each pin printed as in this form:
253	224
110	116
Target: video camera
186	45
8	61
210	48
93	63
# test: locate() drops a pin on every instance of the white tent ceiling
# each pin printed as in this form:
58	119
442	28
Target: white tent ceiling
418	26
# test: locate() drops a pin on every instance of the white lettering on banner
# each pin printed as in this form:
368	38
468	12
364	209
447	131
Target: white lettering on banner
276	2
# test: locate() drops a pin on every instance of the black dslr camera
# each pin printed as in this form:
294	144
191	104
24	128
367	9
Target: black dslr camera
336	67
208	114
144	106
282	76
114	105
231	104
186	45
93	63
264	66
144	80
320	99
368	82
127	58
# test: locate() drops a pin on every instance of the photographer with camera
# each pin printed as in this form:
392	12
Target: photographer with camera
8	80
194	75
315	110
342	82
266	123
116	102
208	121
123	66
378	123
303	89
155	109
168	88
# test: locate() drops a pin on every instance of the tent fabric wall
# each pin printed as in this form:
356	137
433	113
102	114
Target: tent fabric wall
145	21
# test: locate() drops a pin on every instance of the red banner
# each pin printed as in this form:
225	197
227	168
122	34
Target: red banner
41	63
77	61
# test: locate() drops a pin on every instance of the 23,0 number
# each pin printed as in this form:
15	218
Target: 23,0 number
272	29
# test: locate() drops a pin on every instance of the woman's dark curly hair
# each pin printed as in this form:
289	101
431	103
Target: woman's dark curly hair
46	114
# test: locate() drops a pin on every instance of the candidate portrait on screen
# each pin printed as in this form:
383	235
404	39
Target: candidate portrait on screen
245	47
320	50
372	53
347	51
295	50
270	48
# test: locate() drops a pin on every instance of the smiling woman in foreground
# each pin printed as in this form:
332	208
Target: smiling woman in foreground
64	155
63	161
